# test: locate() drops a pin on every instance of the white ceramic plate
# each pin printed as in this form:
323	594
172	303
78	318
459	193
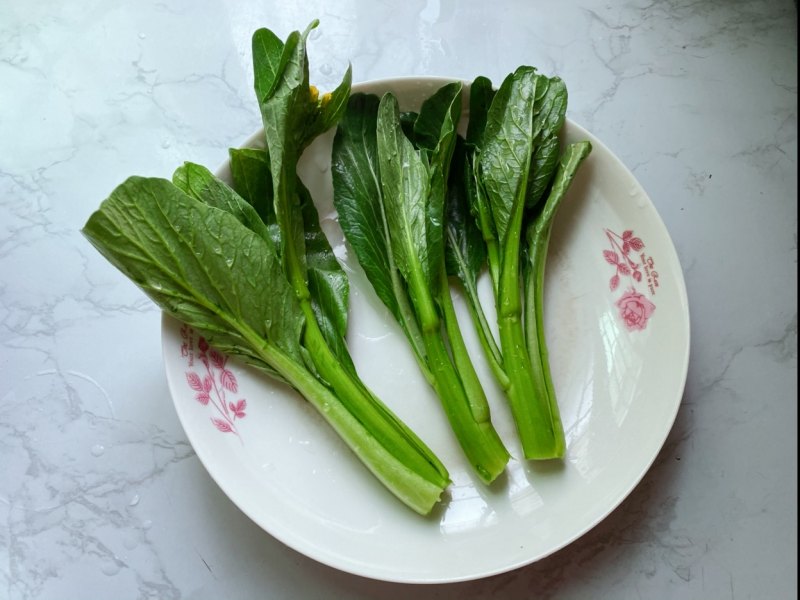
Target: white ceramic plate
619	346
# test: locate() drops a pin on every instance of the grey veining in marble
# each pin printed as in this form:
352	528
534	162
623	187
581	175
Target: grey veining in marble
101	495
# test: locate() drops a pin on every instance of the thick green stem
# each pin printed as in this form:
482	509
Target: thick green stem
528	397
366	407
538	237
479	440
461	358
541	438
417	491
397	438
534	327
477	436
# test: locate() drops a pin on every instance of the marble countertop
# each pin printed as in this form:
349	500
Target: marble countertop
101	494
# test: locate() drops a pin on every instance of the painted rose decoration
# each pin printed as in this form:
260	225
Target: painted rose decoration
626	254
635	309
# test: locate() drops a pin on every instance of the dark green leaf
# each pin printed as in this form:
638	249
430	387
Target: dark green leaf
405	183
550	108
200	264
481	94
435	132
333	105
252	180
407	120
543	165
508	146
437	120
268	54
201	184
465	250
327	281
357	196
568	164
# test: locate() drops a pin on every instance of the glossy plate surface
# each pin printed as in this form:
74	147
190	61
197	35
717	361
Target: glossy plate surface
617	326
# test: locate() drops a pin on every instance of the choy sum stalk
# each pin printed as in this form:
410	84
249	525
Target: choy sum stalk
256	277
390	194
535	258
515	155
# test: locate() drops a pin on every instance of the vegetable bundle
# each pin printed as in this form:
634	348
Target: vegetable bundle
390	196
419	203
514	176
254	274
248	266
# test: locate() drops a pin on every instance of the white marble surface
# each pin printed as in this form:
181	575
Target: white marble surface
101	495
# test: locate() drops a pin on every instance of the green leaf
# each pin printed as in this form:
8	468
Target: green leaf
435	132
407	120
201	184
357	195
269	55
437	120
252	180
200	264
568	164
508	147
481	94
550	108
358	199
333	105
405	186
283	109
327	281
543	165
465	250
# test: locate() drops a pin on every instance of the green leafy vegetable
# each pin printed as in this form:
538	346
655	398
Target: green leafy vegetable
358	198
249	267
512	160
481	95
254	274
390	196
538	239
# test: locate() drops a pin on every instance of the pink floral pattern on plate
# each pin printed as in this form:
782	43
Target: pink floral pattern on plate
212	382
635	309
637	270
